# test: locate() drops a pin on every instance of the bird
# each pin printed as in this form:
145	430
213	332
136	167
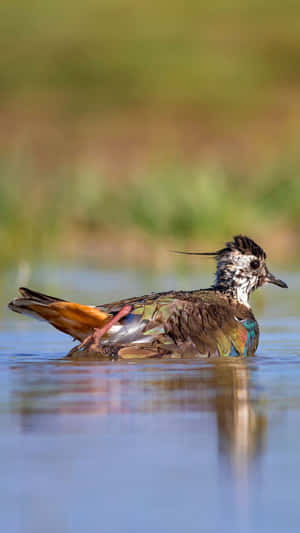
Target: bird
202	323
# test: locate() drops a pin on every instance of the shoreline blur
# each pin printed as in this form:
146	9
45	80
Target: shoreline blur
129	128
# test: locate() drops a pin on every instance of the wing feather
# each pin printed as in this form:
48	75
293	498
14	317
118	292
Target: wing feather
178	327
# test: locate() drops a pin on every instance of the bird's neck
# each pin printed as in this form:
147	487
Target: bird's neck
236	293
233	285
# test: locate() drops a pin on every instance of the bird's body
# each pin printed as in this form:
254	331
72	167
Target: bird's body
210	322
183	323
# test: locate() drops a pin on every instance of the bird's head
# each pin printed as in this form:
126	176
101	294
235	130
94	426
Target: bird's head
241	268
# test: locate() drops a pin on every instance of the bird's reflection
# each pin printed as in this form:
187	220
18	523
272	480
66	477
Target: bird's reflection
241	428
221	387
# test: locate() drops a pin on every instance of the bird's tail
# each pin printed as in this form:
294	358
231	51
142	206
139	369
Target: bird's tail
76	320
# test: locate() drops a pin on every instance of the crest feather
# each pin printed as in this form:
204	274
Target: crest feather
244	245
240	243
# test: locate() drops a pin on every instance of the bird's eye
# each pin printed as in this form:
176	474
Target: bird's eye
254	264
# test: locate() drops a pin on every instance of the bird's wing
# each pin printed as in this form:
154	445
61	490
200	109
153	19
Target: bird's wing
211	328
202	325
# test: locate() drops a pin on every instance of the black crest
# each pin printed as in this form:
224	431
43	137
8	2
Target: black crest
240	243
244	245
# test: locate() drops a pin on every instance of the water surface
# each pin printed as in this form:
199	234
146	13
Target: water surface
154	445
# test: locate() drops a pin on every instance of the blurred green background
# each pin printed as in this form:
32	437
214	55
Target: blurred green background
131	127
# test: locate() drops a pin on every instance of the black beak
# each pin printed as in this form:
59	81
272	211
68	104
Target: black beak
270	278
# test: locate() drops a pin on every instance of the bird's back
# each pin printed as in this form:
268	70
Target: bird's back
200	323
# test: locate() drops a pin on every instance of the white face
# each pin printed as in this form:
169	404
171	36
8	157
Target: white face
242	273
241	268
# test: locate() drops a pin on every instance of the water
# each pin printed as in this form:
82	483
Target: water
150	446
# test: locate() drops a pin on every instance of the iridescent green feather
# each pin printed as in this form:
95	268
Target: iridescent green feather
192	324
